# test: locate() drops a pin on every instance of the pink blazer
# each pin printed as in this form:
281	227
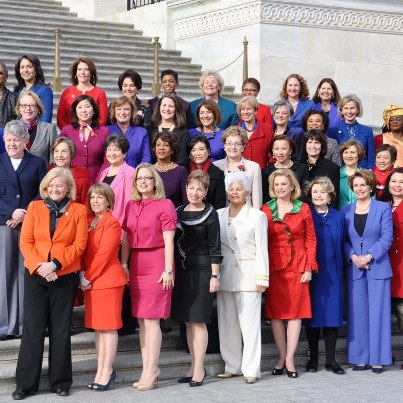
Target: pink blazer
121	186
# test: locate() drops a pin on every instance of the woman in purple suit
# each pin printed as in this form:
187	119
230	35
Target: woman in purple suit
369	235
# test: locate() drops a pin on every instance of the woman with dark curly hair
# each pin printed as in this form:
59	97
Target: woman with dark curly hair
165	147
87	135
83	77
295	91
326	98
29	75
170	117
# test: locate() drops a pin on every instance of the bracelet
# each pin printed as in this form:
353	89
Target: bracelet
54	267
169	272
215	275
124	265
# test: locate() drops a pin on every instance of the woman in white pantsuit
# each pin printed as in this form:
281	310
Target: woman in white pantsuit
244	276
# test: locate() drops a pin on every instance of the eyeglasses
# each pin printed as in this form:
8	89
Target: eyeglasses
144	178
28	106
236	145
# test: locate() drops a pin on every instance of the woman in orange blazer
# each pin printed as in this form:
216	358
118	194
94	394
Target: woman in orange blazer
53	238
104	280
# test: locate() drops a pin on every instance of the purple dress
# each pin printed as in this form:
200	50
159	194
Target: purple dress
175	185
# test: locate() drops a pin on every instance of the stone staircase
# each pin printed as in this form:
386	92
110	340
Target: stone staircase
28	27
173	363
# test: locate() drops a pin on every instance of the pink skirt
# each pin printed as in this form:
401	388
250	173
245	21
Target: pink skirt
149	299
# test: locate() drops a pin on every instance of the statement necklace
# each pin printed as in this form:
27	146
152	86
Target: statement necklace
164	167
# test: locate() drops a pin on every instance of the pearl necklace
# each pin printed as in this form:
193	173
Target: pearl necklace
362	208
165	167
287	167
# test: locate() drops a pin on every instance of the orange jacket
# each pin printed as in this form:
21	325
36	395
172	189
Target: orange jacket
67	244
102	265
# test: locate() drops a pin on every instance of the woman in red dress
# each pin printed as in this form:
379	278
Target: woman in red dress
149	225
292	258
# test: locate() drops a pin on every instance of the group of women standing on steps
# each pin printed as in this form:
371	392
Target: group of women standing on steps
192	223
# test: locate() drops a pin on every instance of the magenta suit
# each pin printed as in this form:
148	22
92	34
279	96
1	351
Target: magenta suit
144	222
121	186
90	153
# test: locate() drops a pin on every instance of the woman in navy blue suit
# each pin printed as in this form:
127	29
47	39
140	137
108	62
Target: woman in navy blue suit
350	107
369	235
295	91
21	174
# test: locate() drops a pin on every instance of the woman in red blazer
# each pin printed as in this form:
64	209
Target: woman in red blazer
103	281
260	134
53	238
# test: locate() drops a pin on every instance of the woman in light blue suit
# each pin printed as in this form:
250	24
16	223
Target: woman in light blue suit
369	236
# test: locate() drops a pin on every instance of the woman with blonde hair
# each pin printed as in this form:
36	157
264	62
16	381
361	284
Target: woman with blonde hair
292	259
211	85
149	225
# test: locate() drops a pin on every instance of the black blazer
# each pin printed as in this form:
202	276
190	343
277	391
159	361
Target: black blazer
300	170
216	194
18	188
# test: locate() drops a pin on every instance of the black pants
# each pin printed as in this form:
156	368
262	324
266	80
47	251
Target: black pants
330	336
46	305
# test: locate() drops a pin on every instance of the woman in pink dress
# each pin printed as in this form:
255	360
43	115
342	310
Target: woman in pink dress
149	225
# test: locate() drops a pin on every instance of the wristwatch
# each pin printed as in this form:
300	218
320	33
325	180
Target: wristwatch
216	275
369	257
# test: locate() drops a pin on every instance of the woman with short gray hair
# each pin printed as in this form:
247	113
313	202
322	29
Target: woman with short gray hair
22	173
244	277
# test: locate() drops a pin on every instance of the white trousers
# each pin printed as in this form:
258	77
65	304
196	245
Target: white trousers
239	318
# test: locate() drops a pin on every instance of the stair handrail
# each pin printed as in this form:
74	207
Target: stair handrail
57	79
245	59
155	88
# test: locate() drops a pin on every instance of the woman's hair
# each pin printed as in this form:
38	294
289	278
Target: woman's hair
348	98
368	176
94	121
252	101
387	147
314	134
70	144
238	176
253	81
304	93
336	95
198	139
325	183
159	192
101	189
120	102
289	140
311	112
171	139
16	128
235	131
56	173
211	106
200	176
386	195
179	117
216	75
283	102
352	143
295	193
41	109
118	140
39	77
133	75
91	66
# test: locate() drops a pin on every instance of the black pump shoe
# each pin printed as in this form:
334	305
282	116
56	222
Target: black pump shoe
278	371
292	374
193	383
184	379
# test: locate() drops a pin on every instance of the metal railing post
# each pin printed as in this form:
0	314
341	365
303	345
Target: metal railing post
245	59
57	80
155	89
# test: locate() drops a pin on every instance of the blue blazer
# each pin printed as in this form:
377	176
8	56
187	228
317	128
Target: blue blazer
303	106
376	240
137	137
364	135
229	116
45	94
18	188
334	118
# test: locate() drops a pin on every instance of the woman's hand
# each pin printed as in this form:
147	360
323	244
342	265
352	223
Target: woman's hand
51	277
306	277
167	280
214	284
260	288
361	262
45	269
19	214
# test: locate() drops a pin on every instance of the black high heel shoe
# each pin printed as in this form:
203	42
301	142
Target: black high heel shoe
292	374
193	383
184	379
278	371
103	388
